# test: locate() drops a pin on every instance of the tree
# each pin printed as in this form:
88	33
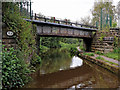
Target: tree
86	20
107	10
118	8
118	13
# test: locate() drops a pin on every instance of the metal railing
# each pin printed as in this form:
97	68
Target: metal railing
59	21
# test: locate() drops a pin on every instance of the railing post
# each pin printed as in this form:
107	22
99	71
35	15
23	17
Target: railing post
30	10
76	23
32	15
58	22
66	21
45	19
35	17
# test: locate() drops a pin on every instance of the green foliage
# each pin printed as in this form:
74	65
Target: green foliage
50	42
68	46
24	34
73	50
99	57
107	7
102	36
98	52
115	41
112	55
89	54
43	48
79	54
14	70
35	59
114	24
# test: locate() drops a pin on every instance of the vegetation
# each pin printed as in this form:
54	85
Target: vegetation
113	54
98	52
118	8
25	36
89	54
15	62
107	7
14	70
101	58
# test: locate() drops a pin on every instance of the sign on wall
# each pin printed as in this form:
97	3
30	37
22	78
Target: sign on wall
10	33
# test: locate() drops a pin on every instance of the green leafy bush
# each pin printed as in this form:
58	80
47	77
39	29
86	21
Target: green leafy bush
24	32
73	50
14	70
35	59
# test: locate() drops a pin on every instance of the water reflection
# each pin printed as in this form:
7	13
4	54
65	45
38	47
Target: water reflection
55	72
55	60
76	61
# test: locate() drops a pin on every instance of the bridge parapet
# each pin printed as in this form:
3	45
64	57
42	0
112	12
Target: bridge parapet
54	29
59	21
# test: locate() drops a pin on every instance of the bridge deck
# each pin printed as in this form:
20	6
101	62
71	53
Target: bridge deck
55	29
60	25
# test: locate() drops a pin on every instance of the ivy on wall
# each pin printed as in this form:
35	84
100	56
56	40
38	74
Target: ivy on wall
14	62
25	35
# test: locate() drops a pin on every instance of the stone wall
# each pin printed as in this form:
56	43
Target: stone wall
104	41
8	41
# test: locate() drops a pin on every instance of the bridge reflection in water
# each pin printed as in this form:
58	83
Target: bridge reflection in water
56	73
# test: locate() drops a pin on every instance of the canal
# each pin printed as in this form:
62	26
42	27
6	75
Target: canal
60	69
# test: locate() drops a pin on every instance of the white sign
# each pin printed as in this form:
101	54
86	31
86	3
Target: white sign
10	33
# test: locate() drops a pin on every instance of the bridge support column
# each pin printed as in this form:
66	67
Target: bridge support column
87	44
38	44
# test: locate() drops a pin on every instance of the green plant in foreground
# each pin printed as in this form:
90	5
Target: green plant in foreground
14	70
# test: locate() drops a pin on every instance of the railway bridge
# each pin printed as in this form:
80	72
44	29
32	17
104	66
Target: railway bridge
57	28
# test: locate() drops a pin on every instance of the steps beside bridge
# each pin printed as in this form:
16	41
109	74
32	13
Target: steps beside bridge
104	41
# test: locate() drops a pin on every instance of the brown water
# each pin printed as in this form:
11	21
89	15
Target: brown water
61	70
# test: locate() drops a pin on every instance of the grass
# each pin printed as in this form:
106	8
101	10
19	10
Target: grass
101	58
89	54
98	52
112	55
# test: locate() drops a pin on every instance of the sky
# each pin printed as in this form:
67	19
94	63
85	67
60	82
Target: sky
69	9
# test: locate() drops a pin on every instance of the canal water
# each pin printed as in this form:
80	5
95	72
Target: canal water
60	69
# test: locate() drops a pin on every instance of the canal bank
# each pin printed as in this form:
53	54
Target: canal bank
61	70
105	62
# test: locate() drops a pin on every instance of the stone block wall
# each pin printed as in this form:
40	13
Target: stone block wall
8	41
106	44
